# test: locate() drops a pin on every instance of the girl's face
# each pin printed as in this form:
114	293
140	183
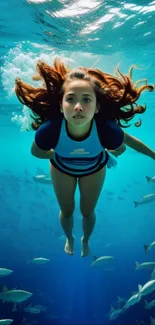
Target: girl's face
79	102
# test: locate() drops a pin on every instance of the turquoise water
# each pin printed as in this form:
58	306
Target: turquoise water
94	33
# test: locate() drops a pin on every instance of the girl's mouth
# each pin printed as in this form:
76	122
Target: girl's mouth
78	117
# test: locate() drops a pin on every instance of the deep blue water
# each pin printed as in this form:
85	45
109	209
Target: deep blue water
101	34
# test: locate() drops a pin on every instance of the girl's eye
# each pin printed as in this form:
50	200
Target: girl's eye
70	100
86	100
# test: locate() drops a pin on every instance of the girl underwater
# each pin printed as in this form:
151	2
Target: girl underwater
77	115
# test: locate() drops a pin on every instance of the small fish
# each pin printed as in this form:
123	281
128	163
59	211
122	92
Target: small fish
31	310
145	199
121	198
149	305
40	307
150	179
145	265
134	299
153	275
108	245
152	320
14	295
42	179
120	302
6	321
103	260
148	247
5	272
146	288
114	313
39	260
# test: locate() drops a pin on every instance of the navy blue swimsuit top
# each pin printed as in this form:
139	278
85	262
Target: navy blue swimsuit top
79	157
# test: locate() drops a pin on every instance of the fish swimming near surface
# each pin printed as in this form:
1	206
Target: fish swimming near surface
145	199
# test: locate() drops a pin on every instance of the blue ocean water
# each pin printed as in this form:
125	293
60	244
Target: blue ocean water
92	33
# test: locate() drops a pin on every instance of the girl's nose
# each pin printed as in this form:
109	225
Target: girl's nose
78	107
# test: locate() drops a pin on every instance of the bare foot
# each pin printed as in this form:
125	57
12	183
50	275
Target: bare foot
85	250
69	246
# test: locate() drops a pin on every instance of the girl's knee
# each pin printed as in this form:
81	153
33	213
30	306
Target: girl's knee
66	213
88	214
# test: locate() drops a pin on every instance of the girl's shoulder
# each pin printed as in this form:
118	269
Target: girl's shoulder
110	133
48	124
47	134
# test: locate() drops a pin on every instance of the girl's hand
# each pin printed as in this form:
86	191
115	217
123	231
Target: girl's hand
112	161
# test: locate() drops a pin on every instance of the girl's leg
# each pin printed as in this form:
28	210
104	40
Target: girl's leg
90	188
64	188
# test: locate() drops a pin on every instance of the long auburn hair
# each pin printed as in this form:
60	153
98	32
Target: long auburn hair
116	95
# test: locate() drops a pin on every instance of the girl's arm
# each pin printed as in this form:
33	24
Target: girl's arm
138	145
117	152
39	153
